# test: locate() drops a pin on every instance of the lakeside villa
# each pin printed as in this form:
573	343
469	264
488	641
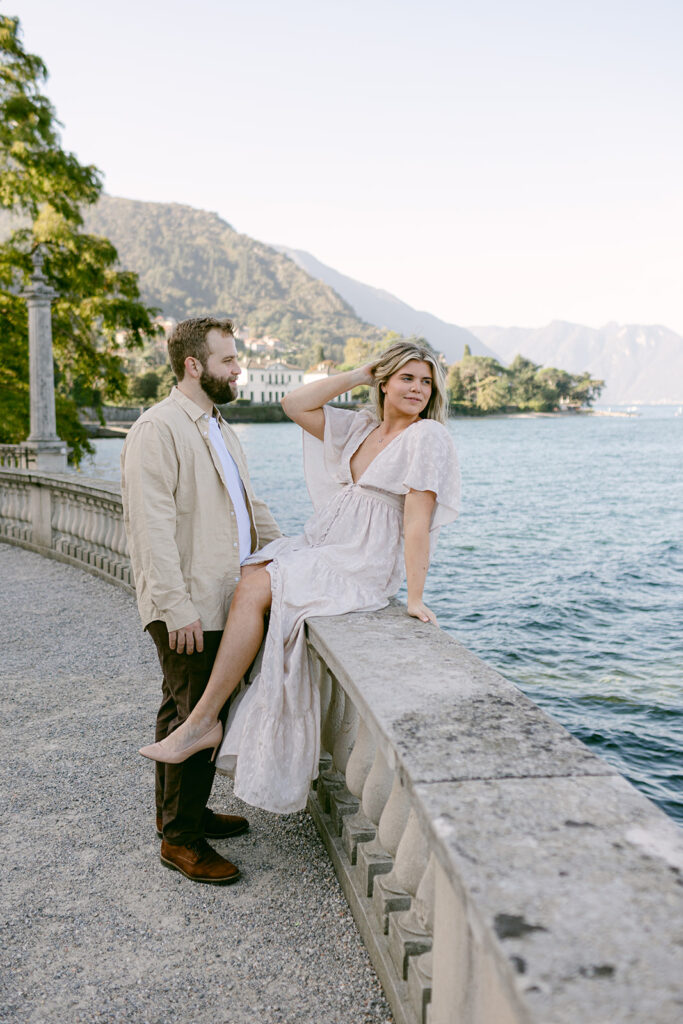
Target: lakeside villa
263	381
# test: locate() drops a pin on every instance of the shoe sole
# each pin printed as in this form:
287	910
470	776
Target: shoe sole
218	835
206	881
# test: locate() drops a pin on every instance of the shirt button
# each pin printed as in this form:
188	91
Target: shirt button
234	544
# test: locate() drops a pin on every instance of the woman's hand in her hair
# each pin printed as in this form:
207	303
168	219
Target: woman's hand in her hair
420	611
369	371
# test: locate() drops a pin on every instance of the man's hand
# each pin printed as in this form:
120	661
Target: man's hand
188	639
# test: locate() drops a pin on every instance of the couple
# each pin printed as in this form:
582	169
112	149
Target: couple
382	482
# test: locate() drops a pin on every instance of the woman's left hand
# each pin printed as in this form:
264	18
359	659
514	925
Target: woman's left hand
420	611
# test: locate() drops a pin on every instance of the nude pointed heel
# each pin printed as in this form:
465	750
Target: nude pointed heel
210	739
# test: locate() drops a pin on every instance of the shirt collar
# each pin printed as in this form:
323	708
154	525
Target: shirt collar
194	411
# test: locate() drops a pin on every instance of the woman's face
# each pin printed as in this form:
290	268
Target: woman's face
409	389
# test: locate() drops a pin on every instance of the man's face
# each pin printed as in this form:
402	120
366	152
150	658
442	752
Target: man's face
219	375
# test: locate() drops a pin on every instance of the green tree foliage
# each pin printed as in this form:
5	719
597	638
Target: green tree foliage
146	386
46	189
34	169
357	351
479	384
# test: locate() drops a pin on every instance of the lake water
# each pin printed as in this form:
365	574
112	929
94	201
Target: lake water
564	570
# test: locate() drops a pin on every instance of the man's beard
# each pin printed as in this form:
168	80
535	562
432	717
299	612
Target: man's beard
218	389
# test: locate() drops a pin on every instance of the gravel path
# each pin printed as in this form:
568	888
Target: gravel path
94	928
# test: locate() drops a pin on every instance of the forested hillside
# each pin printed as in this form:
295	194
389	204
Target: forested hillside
191	262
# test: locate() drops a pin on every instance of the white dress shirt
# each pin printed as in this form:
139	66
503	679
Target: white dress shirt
235	487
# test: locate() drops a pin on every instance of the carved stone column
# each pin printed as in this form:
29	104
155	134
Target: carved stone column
49	451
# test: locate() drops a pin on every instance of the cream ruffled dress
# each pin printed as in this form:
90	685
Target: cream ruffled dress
348	559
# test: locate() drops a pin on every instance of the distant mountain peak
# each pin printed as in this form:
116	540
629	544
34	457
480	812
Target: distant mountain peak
381	308
640	363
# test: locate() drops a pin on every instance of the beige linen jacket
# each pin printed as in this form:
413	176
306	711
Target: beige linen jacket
179	519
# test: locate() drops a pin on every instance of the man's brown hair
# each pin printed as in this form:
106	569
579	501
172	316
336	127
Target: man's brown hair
188	338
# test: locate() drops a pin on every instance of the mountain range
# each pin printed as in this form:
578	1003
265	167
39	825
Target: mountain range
191	262
384	310
640	364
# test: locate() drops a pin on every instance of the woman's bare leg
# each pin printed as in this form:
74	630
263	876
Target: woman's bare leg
238	647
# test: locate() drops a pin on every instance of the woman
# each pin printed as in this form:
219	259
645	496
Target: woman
382	482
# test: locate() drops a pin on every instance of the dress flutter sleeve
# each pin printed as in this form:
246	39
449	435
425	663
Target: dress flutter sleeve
431	464
325	467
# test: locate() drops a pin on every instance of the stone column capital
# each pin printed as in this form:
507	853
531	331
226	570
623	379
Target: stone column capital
38	291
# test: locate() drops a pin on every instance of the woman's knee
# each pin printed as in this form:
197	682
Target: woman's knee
254	590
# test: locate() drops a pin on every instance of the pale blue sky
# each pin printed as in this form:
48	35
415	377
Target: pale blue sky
490	162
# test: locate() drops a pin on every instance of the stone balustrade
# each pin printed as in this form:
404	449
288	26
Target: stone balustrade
74	519
16	456
498	871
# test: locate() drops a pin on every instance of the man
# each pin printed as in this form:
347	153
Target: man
191	518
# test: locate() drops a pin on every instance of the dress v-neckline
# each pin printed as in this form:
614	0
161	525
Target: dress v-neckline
366	435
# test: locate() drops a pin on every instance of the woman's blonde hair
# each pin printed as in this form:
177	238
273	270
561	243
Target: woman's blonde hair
396	356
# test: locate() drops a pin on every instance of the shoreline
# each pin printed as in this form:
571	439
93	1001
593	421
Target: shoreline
118	419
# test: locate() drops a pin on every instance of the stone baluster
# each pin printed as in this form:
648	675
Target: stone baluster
366	775
342	802
8	509
346	735
330	778
82	522
97	530
121	564
394	817
100	532
87	527
395	889
330	698
121	540
410	942
60	522
360	762
108	558
76	526
88	530
71	525
382	805
9	506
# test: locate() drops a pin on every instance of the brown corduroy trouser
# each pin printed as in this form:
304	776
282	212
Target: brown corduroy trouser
182	790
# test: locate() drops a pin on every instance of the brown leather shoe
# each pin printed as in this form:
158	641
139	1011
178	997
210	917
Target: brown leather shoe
199	862
217	826
223	826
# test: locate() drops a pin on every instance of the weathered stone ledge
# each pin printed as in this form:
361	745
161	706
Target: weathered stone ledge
539	886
